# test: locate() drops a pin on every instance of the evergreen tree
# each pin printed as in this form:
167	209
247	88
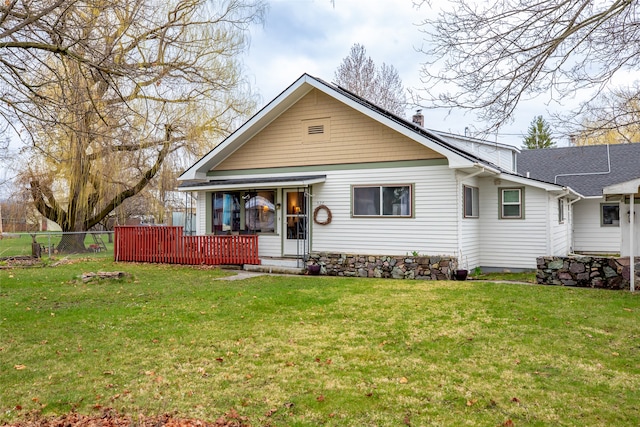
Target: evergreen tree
539	135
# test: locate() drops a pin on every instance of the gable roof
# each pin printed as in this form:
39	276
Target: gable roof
457	157
586	169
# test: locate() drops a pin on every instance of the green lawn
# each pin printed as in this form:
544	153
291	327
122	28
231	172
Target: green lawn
308	351
19	244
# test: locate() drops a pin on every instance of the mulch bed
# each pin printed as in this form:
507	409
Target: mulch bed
111	418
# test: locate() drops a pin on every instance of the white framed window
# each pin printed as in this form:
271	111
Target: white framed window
560	211
382	200
511	203
471	201
609	215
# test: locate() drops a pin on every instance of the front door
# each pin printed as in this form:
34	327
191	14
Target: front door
295	224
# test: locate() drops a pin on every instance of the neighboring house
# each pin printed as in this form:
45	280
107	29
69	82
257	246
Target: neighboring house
600	223
321	170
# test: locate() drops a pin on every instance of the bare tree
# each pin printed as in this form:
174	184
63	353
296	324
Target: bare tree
110	93
613	118
381	86
493	55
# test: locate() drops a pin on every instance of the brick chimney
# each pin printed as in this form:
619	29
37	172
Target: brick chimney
418	118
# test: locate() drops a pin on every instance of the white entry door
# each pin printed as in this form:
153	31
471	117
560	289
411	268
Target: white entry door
296	233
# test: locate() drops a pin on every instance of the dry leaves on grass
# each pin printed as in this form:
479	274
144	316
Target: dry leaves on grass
110	418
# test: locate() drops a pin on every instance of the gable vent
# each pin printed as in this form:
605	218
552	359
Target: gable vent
315	130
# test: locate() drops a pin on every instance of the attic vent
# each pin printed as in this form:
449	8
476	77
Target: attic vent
315	129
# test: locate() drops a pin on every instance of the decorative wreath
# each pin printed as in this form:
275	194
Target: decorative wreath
315	215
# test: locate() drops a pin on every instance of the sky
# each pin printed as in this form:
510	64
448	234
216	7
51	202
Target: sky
314	36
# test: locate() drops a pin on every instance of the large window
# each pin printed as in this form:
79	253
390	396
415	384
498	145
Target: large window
392	201
610	215
471	202
511	203
249	212
260	211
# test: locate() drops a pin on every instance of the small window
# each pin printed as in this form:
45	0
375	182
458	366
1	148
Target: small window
471	202
560	211
511	203
610	215
391	201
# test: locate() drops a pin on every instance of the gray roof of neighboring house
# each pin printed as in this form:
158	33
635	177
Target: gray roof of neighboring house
586	169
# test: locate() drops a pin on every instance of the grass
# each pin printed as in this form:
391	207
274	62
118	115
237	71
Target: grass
307	351
19	244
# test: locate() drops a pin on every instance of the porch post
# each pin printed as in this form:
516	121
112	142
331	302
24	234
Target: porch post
632	232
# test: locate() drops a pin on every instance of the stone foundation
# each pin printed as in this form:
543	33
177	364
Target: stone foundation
587	271
384	266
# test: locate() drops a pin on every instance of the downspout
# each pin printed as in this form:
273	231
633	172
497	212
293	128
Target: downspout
570	212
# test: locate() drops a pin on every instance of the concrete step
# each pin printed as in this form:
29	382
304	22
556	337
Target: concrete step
273	269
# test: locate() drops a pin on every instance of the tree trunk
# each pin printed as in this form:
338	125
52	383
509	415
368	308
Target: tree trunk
72	243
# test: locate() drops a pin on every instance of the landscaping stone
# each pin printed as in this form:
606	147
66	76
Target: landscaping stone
592	272
386	266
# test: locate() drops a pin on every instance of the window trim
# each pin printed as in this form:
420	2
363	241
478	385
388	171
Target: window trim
561	217
501	203
381	186
476	191
602	205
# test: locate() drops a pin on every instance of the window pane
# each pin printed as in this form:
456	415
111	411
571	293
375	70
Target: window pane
511	211
510	196
471	202
226	212
610	215
260	212
366	200
396	201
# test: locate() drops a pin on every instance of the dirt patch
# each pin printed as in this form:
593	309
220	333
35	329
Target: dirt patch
111	418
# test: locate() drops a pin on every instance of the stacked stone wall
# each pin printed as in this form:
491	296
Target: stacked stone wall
384	266
586	271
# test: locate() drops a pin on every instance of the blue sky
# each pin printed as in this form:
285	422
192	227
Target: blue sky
313	36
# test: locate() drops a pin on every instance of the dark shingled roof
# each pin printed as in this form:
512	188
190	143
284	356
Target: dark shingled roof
584	169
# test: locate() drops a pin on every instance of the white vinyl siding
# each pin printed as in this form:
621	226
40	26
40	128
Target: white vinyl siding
470	248
560	231
588	235
431	231
512	244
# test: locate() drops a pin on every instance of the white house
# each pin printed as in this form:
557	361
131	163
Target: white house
330	172
601	222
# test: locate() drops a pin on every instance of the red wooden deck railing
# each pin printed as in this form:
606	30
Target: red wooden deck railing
160	244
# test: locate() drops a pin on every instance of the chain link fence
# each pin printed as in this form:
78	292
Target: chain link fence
52	244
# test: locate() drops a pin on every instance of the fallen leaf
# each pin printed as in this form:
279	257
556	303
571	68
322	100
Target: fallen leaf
472	402
320	398
515	400
627	309
19	367
404	380
508	423
615	353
